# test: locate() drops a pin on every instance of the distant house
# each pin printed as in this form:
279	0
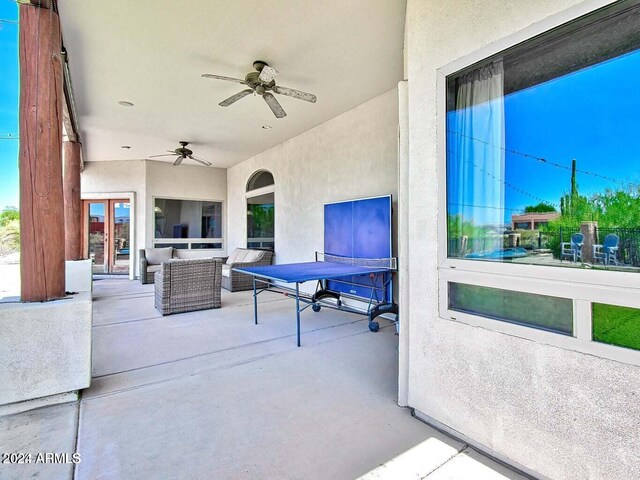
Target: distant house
532	221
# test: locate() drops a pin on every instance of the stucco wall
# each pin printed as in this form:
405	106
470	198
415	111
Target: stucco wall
351	156
559	413
149	179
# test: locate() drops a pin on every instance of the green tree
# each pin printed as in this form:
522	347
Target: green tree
617	208
542	207
8	215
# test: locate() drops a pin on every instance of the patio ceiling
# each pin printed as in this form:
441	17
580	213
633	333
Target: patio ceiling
153	54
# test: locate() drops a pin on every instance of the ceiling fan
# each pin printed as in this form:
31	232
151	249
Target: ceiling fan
182	153
262	82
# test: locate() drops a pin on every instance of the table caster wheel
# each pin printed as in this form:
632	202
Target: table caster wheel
315	307
374	326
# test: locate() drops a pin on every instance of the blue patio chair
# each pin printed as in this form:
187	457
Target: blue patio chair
607	253
572	249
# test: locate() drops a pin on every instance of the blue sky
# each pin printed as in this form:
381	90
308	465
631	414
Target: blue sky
591	115
9	91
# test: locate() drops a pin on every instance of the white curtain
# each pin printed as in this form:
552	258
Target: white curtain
476	150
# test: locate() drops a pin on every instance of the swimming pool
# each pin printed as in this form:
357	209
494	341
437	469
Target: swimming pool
500	254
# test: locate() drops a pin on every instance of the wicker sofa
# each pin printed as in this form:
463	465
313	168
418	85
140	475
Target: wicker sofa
243	257
151	259
188	285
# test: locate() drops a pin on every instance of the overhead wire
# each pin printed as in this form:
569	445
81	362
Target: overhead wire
542	159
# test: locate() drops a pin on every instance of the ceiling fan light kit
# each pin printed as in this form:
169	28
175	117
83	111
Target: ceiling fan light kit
262	82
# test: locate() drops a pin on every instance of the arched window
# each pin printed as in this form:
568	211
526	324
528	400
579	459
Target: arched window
261	210
260	179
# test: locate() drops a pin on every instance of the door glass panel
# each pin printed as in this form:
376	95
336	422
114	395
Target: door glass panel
260	221
121	225
96	236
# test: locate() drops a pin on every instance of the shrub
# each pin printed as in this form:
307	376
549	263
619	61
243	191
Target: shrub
10	237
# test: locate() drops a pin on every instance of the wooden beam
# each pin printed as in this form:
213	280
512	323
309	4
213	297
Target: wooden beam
42	3
72	202
41	198
68	124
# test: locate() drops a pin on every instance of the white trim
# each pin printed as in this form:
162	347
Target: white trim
131	196
260	191
582	321
582	286
533	30
363	198
403	222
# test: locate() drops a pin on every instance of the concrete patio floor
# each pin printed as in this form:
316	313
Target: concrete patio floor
210	395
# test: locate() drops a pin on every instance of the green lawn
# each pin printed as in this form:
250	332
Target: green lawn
616	325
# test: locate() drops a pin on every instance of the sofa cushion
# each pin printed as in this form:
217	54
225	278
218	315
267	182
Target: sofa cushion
196	253
253	256
244	255
153	268
233	256
155	256
226	270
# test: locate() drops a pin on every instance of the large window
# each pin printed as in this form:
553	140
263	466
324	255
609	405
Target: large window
542	149
261	211
188	223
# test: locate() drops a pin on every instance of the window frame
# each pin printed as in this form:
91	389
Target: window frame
583	286
256	192
190	240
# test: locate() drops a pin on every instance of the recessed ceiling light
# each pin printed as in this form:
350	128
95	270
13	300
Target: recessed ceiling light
124	103
267	127
127	147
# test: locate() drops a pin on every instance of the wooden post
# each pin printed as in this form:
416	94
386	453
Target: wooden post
72	204
41	199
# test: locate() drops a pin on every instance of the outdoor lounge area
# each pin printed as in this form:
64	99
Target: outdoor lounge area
211	395
377	239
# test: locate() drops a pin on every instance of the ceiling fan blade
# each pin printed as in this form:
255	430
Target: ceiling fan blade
274	105
172	154
203	162
235	98
290	92
178	160
220	77
268	74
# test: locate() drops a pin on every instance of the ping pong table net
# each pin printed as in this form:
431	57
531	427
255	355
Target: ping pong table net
390	263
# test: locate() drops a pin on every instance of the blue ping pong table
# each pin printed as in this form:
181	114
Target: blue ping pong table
271	278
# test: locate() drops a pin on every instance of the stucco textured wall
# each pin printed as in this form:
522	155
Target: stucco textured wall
559	413
149	179
351	156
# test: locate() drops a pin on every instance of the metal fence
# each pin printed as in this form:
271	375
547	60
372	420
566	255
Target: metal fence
628	250
629	247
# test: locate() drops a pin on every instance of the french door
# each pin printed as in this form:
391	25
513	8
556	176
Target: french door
107	234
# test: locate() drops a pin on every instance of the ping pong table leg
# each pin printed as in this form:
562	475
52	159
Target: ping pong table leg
298	310
255	302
